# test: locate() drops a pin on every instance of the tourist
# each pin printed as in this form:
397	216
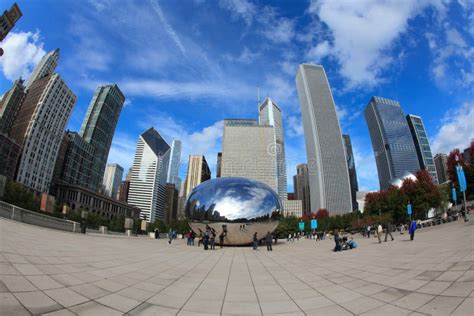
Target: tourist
206	240
379	233
368	231
157	233
213	240
337	241
170	236
412	229
221	239
193	236
268	241
255	241
188	237
352	243
275	236
200	239
388	231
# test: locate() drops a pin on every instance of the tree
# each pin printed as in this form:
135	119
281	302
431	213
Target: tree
19	195
322	213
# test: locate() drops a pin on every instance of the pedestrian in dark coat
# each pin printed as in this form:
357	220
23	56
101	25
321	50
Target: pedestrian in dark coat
268	241
221	239
388	231
412	229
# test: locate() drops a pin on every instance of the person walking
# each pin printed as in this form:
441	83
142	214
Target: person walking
379	233
268	241
157	233
213	240
206	240
170	236
193	236
389	231
368	231
337	241
221	239
412	229
255	241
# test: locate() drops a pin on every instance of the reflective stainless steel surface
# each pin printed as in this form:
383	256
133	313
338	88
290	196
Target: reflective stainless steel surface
238	207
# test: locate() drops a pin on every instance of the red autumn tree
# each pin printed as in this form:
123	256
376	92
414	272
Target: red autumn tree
322	213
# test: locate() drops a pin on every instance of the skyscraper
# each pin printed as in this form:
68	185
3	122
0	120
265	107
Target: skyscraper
39	127
301	187
98	128
270	114
171	202
148	175
8	20
198	172
327	165
248	151
46	66
352	171
112	179
441	163
10	104
175	159
422	145
393	145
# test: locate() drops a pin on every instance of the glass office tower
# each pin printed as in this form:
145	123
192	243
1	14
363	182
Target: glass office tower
393	145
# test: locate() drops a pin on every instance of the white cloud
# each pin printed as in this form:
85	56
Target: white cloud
320	51
168	28
183	90
240	9
362	32
273	26
450	51
22	51
456	131
246	57
294	126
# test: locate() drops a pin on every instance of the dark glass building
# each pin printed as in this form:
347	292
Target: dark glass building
422	145
352	171
392	142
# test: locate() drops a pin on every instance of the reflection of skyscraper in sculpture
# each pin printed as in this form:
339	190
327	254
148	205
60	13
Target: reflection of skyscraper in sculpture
246	151
270	114
391	139
148	176
198	172
46	66
173	168
352	171
327	165
422	145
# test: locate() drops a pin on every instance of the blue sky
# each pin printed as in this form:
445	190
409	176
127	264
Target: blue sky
184	66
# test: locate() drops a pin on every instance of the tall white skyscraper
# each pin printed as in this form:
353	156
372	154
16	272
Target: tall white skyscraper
173	167
148	176
112	179
46	66
39	126
248	151
327	165
270	114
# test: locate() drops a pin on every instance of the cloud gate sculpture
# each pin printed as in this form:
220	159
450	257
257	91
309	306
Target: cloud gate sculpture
236	207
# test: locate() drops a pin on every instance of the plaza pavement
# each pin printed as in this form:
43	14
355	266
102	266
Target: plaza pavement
48	271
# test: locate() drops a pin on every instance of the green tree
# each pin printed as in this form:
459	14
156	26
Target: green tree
19	195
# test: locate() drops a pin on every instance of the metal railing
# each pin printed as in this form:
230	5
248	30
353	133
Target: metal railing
29	217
